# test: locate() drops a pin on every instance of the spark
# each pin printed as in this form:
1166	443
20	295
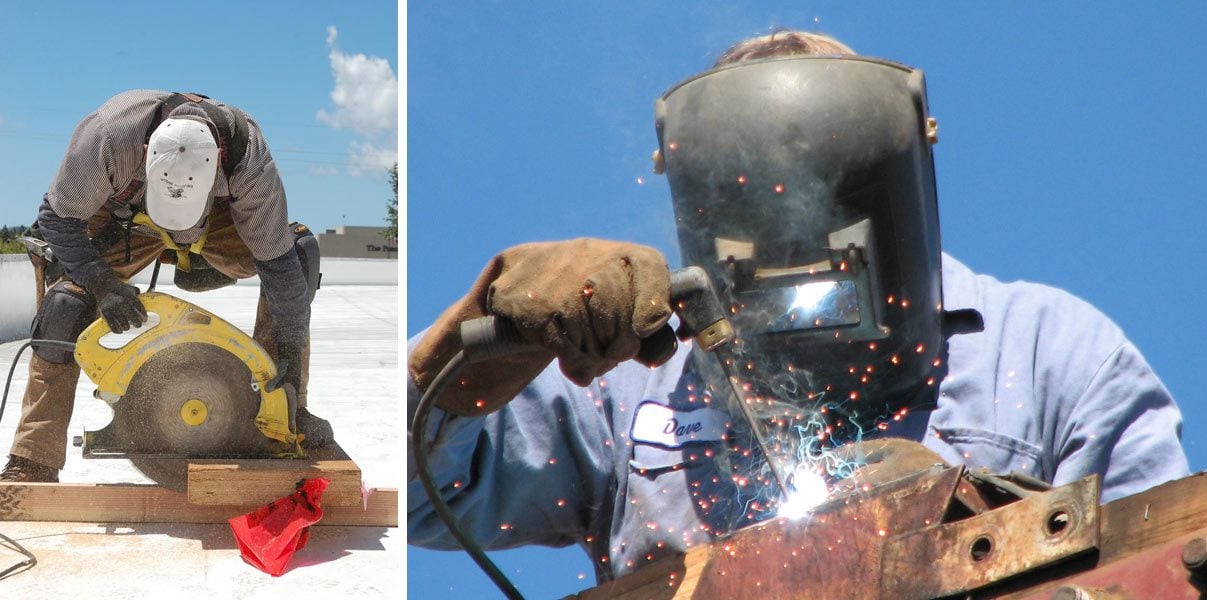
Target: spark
810	491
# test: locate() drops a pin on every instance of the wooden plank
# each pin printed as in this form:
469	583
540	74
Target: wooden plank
1153	517
129	503
250	482
225	482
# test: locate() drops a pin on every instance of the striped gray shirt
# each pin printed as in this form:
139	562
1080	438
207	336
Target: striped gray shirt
106	153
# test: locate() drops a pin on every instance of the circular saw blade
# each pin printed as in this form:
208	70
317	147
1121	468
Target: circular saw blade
190	399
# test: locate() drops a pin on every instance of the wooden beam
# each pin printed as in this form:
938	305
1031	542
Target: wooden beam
129	503
1153	517
251	482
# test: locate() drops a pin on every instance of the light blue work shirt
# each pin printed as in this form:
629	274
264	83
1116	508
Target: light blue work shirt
1051	387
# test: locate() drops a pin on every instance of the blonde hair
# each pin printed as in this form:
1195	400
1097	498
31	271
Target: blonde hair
783	42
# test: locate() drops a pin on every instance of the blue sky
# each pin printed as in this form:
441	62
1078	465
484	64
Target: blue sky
276	60
1071	153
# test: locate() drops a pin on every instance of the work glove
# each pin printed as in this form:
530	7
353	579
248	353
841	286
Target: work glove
586	302
118	303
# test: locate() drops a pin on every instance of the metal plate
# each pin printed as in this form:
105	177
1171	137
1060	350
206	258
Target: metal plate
833	554
951	558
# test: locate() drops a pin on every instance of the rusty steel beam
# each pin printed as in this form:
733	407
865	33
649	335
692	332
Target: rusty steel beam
949	558
915	538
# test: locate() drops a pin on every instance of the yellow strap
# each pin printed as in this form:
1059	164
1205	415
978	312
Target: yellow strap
182	254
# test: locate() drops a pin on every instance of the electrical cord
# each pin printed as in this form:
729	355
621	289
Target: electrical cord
25	565
419	448
13	367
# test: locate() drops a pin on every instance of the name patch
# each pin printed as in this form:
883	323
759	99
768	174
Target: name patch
664	426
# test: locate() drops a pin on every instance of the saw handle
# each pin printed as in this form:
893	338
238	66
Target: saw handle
692	298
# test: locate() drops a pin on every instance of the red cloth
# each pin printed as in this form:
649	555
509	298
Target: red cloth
269	535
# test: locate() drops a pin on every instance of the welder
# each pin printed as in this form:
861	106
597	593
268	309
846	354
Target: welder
802	179
150	175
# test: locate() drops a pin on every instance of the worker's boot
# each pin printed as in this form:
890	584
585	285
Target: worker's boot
23	470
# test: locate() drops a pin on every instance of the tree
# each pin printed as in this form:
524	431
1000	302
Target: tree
391	230
8	240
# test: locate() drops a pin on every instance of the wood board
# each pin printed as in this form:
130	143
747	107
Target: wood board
132	503
224	482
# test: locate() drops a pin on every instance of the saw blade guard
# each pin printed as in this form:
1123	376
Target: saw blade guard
181	322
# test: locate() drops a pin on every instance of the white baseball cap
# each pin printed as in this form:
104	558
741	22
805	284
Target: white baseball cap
182	162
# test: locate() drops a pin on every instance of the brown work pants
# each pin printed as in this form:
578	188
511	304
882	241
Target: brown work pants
46	408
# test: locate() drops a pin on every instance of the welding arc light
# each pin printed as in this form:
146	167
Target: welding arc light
816	304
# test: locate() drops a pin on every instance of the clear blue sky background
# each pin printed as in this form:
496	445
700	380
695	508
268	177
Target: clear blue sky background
271	58
1071	153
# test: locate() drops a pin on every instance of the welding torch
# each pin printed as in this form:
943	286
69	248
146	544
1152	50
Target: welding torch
701	318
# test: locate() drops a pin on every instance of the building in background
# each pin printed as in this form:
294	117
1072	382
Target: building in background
354	241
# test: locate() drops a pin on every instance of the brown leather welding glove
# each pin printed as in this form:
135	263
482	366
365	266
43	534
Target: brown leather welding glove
586	302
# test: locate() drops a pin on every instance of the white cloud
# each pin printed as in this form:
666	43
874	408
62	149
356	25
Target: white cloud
365	100
371	159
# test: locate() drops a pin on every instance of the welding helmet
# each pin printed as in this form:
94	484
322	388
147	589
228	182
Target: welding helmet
805	187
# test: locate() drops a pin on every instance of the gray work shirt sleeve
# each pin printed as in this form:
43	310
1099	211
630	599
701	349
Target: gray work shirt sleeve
85	180
539	471
259	210
86	177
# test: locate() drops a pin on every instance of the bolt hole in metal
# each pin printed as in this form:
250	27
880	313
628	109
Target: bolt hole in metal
981	548
1058	522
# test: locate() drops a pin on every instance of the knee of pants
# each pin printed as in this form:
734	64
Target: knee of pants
67	309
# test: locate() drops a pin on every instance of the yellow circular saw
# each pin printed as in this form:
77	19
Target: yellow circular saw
191	385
